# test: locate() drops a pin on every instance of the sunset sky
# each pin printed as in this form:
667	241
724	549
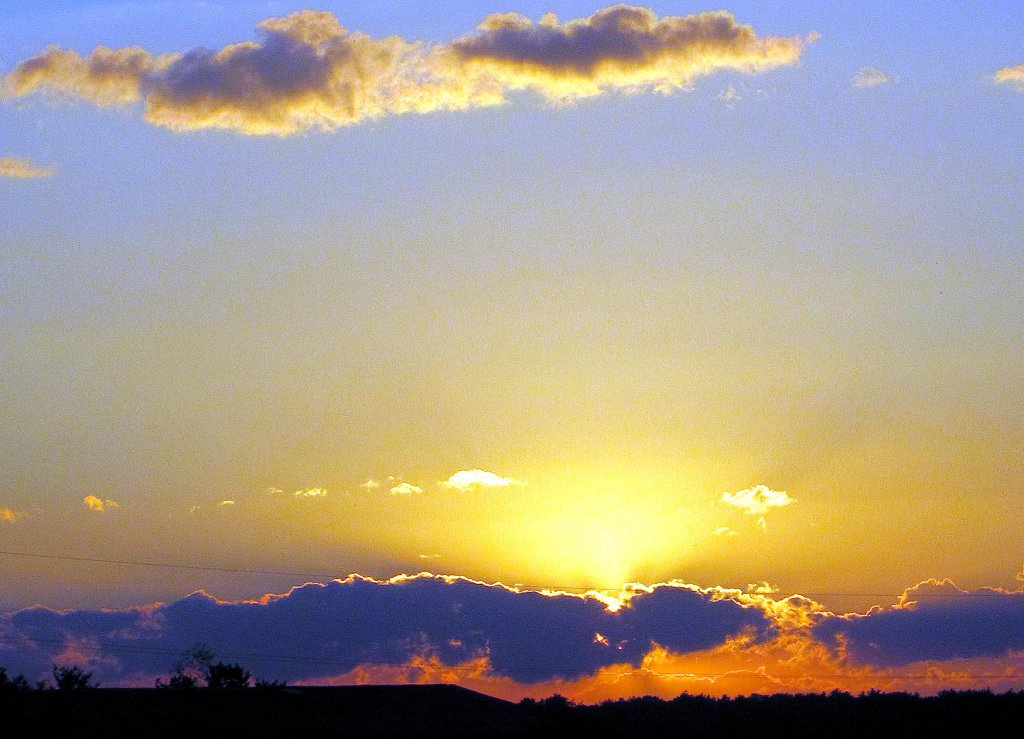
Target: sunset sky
726	302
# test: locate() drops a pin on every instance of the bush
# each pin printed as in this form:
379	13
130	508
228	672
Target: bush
72	678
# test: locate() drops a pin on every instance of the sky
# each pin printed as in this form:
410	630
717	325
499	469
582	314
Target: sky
682	343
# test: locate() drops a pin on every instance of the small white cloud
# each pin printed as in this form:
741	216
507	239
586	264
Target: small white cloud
730	96
1011	76
758	500
194	509
762	524
225	503
311	493
23	169
870	77
370	484
466	480
429	556
724	531
99	505
406	488
274	491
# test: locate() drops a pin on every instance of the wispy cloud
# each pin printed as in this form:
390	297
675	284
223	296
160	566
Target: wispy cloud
406	488
307	72
225	503
370	484
468	480
316	492
1011	76
758	500
870	77
23	169
99	505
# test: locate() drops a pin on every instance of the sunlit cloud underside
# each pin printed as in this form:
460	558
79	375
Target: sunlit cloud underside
659	639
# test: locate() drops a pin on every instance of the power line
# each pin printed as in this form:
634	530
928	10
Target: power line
531	586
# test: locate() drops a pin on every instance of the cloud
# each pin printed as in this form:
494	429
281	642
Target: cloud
8	515
99	505
1011	76
311	493
225	503
724	531
935	620
758	500
730	96
869	77
469	480
332	628
662	640
621	48
406	488
370	484
23	169
308	72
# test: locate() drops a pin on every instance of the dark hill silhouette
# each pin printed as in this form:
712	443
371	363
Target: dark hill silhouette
450	711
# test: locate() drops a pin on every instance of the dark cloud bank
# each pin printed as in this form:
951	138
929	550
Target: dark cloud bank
321	630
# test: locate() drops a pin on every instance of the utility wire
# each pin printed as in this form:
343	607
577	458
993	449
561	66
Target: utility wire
531	586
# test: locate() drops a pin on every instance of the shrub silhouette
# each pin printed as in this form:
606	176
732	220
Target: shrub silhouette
72	678
196	667
222	676
190	670
12	684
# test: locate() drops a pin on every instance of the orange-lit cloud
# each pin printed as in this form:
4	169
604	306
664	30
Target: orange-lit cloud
23	169
9	515
316	492
869	77
406	488
758	500
1011	76
310	73
663	639
99	505
468	480
225	503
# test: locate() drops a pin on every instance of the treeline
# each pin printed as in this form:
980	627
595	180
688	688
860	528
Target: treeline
969	713
196	669
202	697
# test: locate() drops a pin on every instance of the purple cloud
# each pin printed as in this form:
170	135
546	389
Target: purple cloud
319	630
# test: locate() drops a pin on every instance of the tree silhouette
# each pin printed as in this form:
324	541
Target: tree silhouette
12	684
227	676
196	667
192	668
72	678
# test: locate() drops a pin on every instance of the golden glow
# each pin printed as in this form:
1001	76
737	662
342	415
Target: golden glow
597	528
